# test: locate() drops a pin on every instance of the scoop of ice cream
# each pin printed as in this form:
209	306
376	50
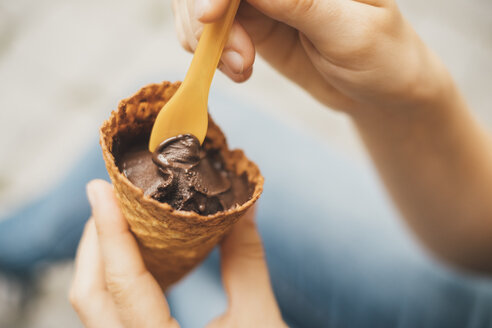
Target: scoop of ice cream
182	151
185	175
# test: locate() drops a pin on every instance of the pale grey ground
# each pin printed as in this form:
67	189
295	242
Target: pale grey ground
65	64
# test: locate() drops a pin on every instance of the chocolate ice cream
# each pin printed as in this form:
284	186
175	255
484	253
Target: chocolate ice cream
184	174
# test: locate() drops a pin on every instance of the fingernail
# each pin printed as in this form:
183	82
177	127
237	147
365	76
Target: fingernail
92	194
201	7
234	61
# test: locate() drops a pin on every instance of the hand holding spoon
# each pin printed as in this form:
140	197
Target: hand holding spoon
187	111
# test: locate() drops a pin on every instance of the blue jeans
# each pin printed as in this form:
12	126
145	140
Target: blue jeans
338	254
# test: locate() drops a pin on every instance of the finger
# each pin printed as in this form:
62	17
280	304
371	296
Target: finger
179	24
279	44
239	51
89	270
377	3
187	25
119	249
306	16
88	293
208	11
238	78
244	271
282	47
136	293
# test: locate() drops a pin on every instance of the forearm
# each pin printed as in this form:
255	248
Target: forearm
363	58
436	161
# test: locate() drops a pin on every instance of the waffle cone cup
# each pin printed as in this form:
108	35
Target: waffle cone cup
172	242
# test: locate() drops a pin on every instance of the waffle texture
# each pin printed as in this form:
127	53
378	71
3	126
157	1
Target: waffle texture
172	242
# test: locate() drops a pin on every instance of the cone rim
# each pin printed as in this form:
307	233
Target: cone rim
109	129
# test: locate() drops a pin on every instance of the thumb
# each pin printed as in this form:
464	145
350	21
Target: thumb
135	292
244	270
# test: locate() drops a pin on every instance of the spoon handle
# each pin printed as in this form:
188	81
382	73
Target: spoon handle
209	49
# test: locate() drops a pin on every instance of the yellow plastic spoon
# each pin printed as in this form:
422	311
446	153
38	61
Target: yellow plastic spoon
186	112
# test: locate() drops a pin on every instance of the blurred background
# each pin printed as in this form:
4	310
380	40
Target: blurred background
64	65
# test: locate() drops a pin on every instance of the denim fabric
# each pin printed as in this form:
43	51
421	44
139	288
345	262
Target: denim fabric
338	254
49	228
